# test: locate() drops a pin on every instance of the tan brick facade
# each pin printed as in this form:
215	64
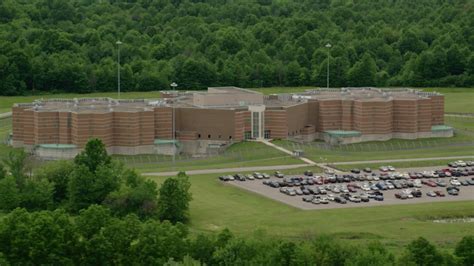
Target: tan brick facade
138	123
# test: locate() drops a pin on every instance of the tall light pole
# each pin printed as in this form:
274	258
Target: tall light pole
174	85
328	46
118	43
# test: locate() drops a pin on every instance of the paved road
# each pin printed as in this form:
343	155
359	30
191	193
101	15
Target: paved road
230	170
406	160
292	166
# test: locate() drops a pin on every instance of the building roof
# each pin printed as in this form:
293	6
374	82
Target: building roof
223	98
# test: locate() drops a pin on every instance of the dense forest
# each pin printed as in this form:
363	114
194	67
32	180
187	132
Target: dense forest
70	46
94	211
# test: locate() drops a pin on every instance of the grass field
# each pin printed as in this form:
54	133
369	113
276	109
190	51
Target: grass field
459	145
238	155
216	206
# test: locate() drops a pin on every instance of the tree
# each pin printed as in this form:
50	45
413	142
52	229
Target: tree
58	174
363	72
9	194
16	163
93	155
137	195
422	252
158	242
37	195
3	172
465	250
38	238
91	220
174	198
86	187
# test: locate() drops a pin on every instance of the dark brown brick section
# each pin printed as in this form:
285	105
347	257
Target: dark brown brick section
276	121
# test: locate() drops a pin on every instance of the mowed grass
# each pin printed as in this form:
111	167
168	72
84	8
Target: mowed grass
462	144
217	205
243	154
457	100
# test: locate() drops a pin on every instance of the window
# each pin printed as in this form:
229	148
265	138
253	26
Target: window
230	137
256	125
247	135
219	136
209	136
266	134
199	136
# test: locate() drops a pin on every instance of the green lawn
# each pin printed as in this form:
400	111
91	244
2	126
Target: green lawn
216	206
462	144
457	100
238	155
347	167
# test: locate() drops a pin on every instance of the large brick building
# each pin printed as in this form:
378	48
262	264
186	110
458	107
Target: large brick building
212	119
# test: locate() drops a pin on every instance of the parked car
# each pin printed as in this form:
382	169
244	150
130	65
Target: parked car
464	182
316	200
308	198
266	176
391	168
383	168
454	182
340	200
308	173
400	195
453	192
439	193
279	174
367	170
355	171
440	182
257	175
416	193
249	177
431	194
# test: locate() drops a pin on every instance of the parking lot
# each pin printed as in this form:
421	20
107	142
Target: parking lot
359	181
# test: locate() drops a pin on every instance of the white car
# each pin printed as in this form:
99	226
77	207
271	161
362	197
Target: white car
383	168
461	163
454	182
330	197
391	168
365	187
407	192
417	183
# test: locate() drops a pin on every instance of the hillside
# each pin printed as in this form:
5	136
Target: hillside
69	46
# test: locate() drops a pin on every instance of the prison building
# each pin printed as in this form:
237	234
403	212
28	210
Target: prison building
195	122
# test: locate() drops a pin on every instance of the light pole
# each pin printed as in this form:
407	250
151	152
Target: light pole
118	67
174	85
328	46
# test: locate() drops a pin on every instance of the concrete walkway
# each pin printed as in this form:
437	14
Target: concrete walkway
230	170
5	115
306	160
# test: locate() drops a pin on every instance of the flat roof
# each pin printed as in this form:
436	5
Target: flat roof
184	99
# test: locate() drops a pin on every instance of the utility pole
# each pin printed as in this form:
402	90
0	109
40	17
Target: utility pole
328	46
174	85
118	68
